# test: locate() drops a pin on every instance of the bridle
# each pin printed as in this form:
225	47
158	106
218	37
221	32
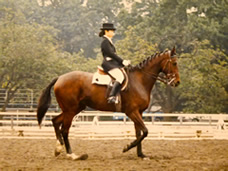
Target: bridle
167	79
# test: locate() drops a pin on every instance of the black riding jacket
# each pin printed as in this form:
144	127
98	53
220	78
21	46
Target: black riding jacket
111	59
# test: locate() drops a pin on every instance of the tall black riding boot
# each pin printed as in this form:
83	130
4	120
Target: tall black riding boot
115	90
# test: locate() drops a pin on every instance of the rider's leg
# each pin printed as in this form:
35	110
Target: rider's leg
119	78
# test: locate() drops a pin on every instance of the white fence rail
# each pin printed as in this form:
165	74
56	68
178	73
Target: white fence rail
116	125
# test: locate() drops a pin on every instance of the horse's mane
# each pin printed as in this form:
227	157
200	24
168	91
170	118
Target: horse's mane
143	63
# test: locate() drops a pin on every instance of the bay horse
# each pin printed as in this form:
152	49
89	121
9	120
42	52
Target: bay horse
74	91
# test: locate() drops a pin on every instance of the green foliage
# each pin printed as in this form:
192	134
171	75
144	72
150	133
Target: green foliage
134	48
85	64
210	22
79	22
203	81
28	54
41	40
179	22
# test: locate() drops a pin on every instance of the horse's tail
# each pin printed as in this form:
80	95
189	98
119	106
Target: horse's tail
44	101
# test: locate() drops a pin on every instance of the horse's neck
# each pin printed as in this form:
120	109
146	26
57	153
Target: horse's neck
149	79
147	75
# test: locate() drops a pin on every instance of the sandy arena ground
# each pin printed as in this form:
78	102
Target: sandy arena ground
106	155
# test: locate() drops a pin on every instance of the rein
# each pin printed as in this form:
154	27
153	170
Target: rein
160	78
164	79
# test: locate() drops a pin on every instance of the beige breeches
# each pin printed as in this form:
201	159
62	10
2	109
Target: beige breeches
117	74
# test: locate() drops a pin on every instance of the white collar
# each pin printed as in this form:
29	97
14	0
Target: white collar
108	39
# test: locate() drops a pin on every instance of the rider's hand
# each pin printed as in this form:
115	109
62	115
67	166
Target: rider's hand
126	62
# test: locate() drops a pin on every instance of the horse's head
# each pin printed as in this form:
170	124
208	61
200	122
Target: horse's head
170	68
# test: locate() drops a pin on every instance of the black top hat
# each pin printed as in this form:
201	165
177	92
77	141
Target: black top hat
108	26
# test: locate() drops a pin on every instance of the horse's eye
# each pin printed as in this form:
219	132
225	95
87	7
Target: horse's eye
174	63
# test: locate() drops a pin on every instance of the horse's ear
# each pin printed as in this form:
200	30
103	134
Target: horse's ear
173	52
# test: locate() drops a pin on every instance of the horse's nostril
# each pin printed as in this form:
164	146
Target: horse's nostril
177	83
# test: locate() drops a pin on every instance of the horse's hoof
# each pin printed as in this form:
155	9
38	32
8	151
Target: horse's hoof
57	153
142	155
76	157
126	149
83	157
58	148
146	158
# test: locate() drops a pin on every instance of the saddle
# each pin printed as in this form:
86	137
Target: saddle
102	78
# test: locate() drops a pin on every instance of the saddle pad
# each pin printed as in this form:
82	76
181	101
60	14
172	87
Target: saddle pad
101	79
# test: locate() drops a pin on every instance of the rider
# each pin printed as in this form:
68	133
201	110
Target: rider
112	62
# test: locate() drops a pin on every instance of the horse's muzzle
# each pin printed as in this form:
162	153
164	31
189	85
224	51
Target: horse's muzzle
174	83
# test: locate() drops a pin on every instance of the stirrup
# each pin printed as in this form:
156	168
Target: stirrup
113	99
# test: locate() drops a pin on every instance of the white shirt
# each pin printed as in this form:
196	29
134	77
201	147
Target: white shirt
108	39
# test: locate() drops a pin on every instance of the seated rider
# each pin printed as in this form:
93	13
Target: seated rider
112	62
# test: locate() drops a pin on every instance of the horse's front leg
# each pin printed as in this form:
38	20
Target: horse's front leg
139	126
139	146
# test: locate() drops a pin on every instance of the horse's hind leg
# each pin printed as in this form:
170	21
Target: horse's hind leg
68	117
57	122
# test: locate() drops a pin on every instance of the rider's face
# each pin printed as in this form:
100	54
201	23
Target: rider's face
110	33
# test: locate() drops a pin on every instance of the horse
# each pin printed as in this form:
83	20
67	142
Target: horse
74	92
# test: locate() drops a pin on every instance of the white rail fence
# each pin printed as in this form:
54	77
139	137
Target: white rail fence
111	125
23	99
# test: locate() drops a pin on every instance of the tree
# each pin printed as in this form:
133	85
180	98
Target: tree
209	20
179	22
27	53
78	22
134	48
204	88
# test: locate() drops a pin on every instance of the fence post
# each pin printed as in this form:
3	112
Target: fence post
181	120
31	105
210	120
124	120
152	120
6	96
11	122
5	104
17	117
